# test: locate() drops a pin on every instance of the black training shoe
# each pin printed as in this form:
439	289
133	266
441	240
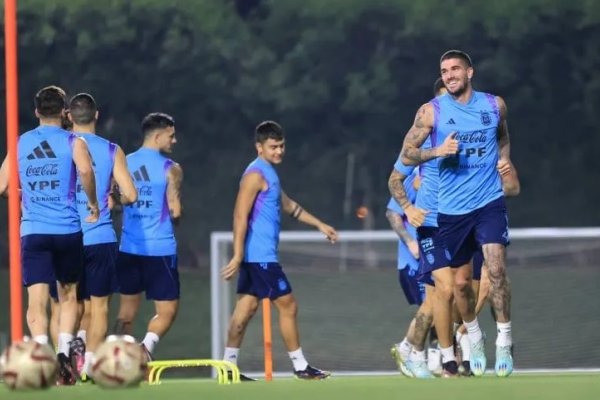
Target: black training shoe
66	374
243	377
77	354
449	369
466	368
311	373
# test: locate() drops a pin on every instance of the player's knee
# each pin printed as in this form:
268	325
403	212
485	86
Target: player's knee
462	284
287	305
444	291
290	309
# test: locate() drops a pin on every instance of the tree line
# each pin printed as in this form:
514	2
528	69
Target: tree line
344	78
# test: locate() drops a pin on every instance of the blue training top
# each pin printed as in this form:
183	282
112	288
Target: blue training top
47	175
469	180
103	157
147	225
262	236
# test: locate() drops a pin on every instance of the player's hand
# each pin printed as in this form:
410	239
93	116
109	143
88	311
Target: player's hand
415	216
328	231
231	269
449	147
413	247
94	213
503	167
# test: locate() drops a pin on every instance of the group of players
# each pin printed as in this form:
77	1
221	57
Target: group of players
70	181
460	140
452	222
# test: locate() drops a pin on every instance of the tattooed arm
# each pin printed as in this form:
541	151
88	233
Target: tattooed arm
397	225
414	215
502	135
411	153
174	179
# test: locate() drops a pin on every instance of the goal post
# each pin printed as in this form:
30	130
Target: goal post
352	309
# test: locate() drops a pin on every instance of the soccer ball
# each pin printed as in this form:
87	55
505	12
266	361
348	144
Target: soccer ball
28	365
119	362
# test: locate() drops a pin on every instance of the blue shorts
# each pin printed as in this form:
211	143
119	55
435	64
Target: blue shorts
156	275
100	269
433	252
263	280
477	264
413	289
464	234
50	258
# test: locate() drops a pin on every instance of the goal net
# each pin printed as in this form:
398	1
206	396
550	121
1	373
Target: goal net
351	307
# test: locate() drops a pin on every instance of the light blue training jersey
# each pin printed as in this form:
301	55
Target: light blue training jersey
468	180
47	175
262	236
103	157
405	257
147	226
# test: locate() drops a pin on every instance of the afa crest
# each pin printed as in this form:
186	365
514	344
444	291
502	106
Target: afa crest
485	118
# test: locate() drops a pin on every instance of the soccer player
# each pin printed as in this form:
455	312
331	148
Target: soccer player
49	160
99	239
472	129
256	221
426	223
147	259
415	291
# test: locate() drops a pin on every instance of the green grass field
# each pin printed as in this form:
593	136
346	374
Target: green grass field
542	387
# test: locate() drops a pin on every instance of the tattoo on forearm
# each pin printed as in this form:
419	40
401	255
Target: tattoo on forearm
397	190
398	226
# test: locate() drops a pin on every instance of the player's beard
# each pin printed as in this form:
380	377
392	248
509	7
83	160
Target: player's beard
460	90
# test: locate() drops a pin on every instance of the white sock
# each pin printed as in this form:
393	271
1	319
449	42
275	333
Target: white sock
150	341
475	334
504	334
298	359
447	354
405	346
465	345
64	339
455	327
416	355
87	363
231	354
82	334
41	339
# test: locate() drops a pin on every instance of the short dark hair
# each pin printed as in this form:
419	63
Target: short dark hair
268	130
437	85
82	108
457	54
50	101
156	120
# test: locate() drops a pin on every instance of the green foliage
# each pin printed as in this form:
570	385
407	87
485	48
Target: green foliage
342	76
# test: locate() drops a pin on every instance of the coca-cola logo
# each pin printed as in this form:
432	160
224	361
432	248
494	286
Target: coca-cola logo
471	137
43	170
